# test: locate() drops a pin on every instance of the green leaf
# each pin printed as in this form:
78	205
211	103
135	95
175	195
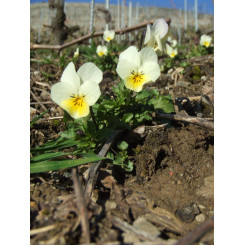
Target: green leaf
164	103
122	145
127	117
45	166
48	156
38	117
60	143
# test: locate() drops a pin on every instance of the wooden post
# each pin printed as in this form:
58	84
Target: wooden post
196	15
91	23
130	18
179	28
185	14
107	3
118	20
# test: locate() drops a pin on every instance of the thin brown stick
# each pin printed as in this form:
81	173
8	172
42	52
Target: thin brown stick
189	119
81	205
86	37
93	170
38	101
196	234
45	103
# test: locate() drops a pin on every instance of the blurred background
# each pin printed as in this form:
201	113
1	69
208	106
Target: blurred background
82	17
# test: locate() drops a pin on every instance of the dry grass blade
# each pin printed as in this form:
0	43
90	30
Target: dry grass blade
81	205
42	229
93	170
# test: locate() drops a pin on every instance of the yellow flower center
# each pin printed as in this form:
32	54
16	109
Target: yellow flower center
172	55
101	54
206	44
108	38
76	106
136	81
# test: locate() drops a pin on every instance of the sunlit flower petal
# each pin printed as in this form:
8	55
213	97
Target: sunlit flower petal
70	76
91	91
77	90
131	54
136	74
76	53
91	72
205	40
101	50
155	33
108	35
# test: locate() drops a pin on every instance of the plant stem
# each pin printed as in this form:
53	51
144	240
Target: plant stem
93	118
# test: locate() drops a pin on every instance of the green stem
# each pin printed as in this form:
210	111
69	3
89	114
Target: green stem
93	118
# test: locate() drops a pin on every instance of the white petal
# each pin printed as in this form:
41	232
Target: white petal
70	76
174	43
90	71
124	68
151	69
158	40
91	91
147	34
147	54
62	91
131	54
160	27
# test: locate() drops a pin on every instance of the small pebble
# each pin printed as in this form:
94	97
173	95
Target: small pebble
200	218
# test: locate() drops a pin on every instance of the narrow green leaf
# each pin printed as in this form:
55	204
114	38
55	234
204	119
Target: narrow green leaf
45	166
55	145
38	117
48	156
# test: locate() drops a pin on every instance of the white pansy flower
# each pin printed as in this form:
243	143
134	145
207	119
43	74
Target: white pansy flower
76	91
205	40
172	42
155	33
76	53
137	68
171	52
101	50
108	35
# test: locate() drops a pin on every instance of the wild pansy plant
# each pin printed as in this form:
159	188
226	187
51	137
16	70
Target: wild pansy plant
119	108
205	40
137	68
101	50
108	35
171	52
155	33
76	91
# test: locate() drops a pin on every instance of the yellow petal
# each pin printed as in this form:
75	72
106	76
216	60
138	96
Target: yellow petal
135	82
77	107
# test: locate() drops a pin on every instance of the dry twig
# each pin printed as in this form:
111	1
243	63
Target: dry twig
81	204
37	100
93	170
199	232
86	37
189	119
